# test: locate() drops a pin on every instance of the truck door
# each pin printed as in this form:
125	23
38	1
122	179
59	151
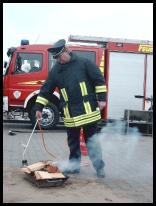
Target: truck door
25	76
126	79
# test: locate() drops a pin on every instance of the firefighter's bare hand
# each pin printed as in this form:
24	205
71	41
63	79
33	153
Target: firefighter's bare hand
39	116
101	105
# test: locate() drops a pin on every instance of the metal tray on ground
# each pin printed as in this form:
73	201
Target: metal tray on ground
46	182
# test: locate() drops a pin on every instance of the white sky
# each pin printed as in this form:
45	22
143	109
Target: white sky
48	22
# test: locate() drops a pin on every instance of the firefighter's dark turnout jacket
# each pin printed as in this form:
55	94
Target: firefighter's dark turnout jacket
81	84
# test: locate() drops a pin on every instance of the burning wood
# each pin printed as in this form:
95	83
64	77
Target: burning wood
34	167
45	175
43	170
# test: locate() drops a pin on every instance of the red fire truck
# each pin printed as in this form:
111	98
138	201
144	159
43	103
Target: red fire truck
127	66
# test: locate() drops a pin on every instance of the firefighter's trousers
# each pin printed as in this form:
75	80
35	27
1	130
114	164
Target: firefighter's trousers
92	143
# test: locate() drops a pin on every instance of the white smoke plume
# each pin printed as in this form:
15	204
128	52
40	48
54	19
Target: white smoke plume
120	152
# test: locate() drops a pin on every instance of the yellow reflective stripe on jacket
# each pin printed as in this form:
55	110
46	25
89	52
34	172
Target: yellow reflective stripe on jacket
65	109
84	93
76	124
64	94
87	107
82	119
42	100
83	88
99	89
66	112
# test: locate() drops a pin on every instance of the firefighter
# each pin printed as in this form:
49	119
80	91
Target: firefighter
82	97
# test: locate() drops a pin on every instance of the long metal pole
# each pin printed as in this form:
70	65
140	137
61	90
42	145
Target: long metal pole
29	139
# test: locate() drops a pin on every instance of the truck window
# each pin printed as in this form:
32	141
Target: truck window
51	61
27	63
91	55
6	66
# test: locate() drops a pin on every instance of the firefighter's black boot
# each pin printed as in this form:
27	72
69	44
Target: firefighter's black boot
68	171
100	173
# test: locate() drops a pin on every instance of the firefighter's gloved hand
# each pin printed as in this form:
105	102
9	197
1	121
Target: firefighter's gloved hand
39	116
101	105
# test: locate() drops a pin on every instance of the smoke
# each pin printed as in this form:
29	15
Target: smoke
119	145
125	155
113	138
120	152
66	165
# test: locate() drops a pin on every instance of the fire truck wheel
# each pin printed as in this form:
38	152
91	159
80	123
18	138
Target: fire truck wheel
50	116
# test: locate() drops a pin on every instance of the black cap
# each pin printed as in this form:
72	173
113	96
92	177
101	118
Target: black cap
58	47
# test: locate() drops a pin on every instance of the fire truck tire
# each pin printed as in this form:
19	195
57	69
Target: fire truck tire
50	116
